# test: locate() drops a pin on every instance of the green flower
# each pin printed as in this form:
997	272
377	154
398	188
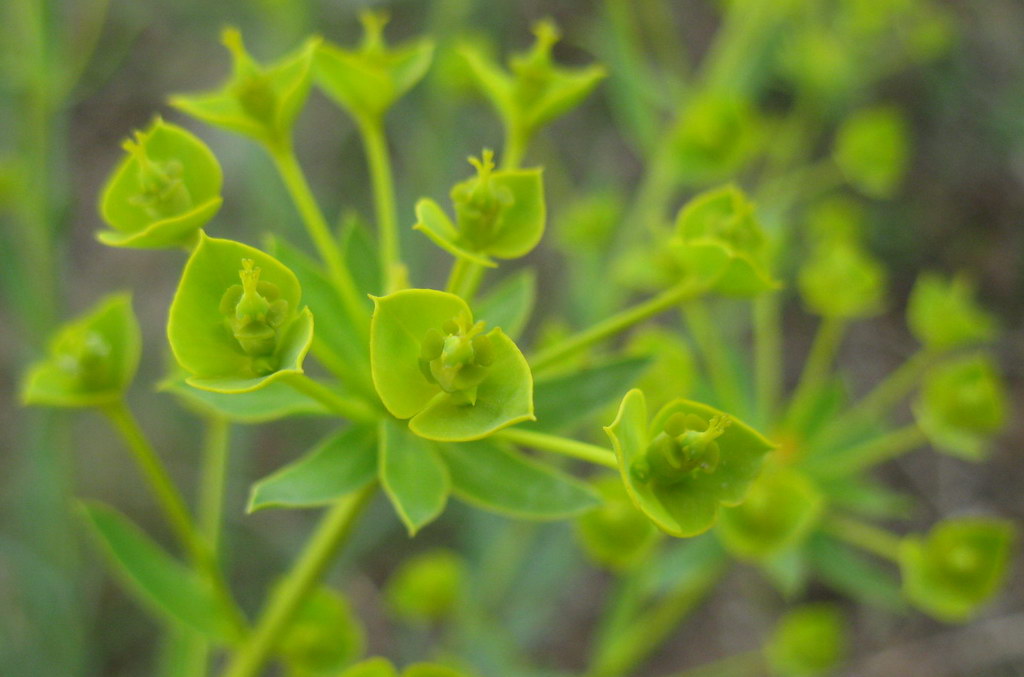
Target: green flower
534	90
943	314
92	360
872	148
497	213
957	567
720	241
235	323
715	135
781	508
427	586
841	280
324	638
809	641
690	460
258	101
962	405
615	535
367	82
164	190
433	364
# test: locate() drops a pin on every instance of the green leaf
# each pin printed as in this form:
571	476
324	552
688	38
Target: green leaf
615	535
872	148
686	503
324	637
496	478
566	400
944	315
367	82
808	641
164	585
341	464
404	324
337	340
92	359
431	670
842	280
164	190
962	406
272	403
957	567
780	509
851	573
258	101
361	254
203	328
510	303
427	586
412	474
669	370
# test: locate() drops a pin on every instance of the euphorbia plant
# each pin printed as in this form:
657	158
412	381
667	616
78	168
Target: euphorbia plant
436	394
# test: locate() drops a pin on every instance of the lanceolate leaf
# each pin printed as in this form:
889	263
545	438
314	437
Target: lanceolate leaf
496	478
162	583
854	574
339	465
566	400
276	401
412	474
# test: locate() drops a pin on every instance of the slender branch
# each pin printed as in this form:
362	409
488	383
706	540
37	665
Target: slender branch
316	225
171	502
377	158
863	535
560	445
516	140
617	323
331	534
767	354
464	278
878	450
819	362
346	407
716	359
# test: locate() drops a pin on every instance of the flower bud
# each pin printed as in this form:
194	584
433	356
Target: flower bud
480	204
457	360
686	445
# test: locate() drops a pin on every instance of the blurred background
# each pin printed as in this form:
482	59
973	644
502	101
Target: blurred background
77	76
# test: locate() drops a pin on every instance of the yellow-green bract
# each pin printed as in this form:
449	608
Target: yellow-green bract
719	241
232	337
684	501
257	101
809	640
957	567
92	360
165	189
367	81
432	364
943	314
498	213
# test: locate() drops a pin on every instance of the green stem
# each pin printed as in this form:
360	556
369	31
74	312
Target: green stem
819	363
464	278
617	323
516	140
331	534
879	450
171	502
560	445
294	179
883	397
211	501
869	537
767	354
377	158
651	627
716	359
346	407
